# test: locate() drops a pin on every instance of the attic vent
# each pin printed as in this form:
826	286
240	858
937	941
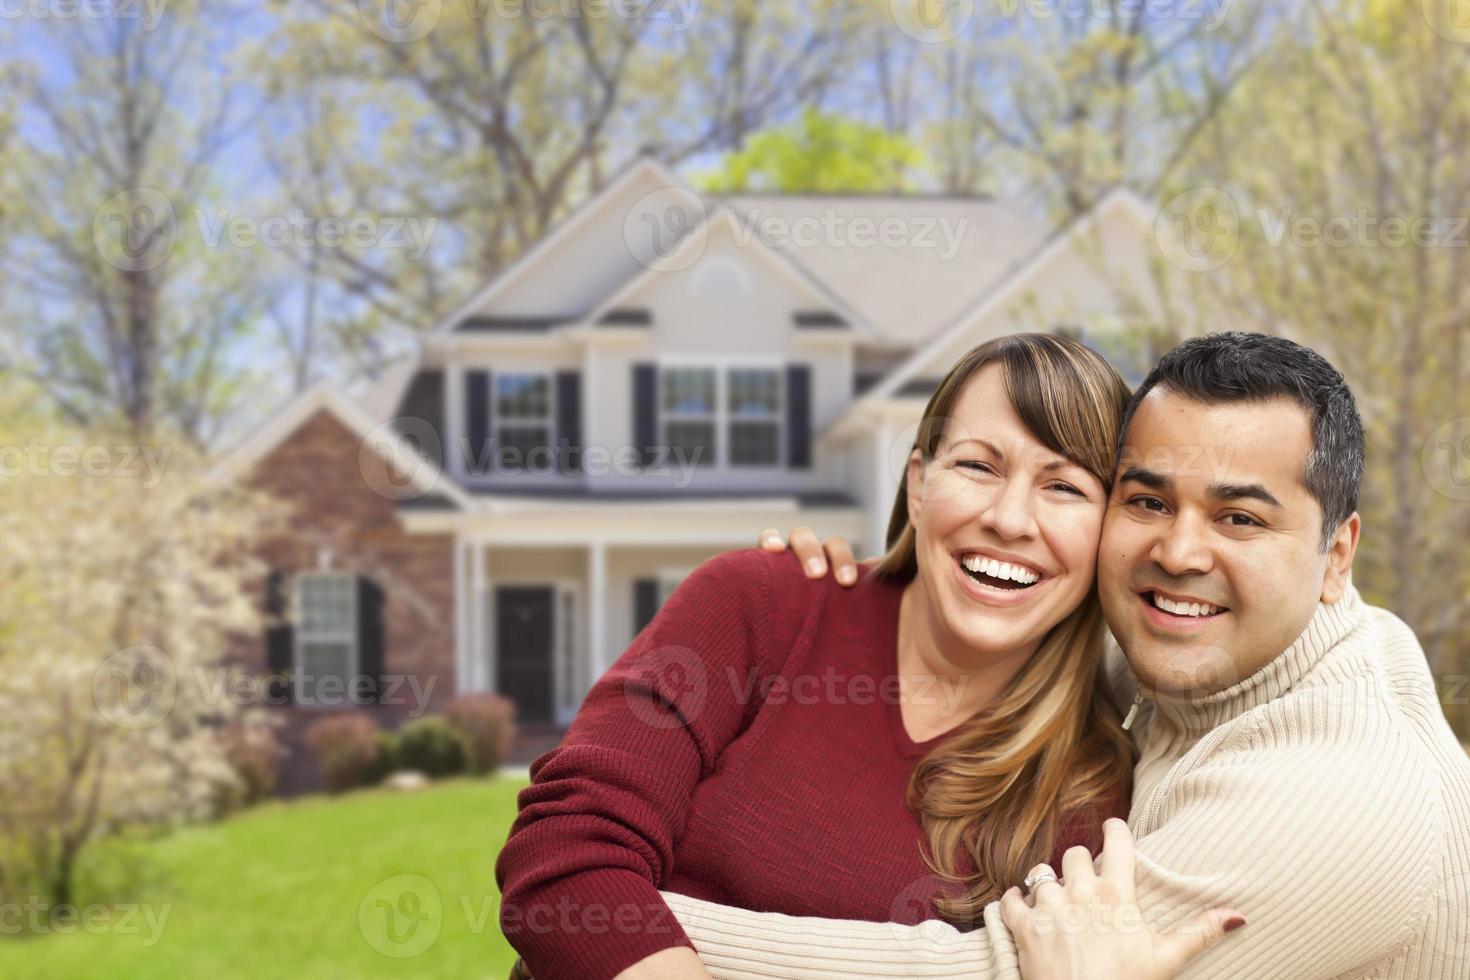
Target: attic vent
818	320
626	317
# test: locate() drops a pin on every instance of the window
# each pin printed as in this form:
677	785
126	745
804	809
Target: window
522	414
689	414
700	405
326	639
755	416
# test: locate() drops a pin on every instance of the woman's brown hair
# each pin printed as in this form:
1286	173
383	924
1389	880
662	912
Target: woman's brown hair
1052	745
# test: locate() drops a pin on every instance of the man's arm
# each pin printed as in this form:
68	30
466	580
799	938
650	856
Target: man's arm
1327	853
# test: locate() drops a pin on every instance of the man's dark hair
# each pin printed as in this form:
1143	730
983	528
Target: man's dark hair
1237	367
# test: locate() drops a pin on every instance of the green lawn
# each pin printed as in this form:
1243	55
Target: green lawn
371	884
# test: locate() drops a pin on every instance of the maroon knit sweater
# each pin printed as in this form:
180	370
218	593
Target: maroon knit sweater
748	749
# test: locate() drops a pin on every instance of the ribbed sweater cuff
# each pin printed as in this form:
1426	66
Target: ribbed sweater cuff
590	926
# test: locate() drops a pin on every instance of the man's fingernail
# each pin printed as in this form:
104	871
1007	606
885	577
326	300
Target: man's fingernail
814	566
1233	923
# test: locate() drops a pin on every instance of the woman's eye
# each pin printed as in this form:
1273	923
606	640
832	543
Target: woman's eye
1068	488
971	464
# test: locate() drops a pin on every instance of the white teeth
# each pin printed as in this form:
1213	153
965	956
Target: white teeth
1000	569
1184	608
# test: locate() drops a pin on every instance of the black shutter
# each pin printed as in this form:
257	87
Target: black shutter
645	603
369	641
278	638
477	421
569	421
645	412
798	416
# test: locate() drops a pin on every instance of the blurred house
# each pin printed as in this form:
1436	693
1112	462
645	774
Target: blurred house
659	378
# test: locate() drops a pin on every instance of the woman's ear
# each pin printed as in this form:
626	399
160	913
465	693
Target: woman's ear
914	485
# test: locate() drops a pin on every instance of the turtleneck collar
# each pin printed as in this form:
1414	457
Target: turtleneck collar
1327	627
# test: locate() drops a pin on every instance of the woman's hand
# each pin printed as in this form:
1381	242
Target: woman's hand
814	554
1089	927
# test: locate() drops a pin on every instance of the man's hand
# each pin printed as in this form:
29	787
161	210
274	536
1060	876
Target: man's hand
814	554
1088	926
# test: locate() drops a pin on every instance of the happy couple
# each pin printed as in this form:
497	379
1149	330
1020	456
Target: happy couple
1275	743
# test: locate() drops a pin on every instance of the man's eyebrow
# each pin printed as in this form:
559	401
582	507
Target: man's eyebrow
1243	491
1150	479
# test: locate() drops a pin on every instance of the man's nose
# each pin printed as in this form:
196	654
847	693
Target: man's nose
1182	547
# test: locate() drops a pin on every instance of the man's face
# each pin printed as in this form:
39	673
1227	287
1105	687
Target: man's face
1211	563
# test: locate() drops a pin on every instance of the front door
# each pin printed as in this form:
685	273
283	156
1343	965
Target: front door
524	617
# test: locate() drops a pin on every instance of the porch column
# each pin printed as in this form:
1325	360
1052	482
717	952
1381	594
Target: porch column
482	669
597	609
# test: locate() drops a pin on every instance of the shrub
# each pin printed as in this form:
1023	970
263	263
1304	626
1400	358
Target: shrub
486	722
431	746
346	749
253	752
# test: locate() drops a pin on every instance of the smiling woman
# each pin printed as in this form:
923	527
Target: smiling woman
950	699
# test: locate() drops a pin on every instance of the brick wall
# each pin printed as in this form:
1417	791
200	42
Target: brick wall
320	472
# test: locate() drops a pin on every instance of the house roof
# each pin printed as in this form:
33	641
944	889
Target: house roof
423	474
914	376
907	286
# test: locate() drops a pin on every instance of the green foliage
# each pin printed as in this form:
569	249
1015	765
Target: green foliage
820	152
432	746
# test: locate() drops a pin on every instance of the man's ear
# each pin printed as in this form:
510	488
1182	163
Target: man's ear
1340	559
913	476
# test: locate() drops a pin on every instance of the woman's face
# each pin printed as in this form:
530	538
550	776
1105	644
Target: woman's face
1006	529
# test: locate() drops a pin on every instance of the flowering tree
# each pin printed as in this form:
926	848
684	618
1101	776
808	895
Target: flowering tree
124	571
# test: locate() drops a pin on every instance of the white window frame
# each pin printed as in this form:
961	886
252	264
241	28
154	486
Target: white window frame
497	419
300	636
778	417
721	417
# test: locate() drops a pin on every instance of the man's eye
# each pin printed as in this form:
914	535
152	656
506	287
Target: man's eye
1153	504
1241	520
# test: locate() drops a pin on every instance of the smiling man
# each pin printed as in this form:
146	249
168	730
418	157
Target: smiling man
1294	760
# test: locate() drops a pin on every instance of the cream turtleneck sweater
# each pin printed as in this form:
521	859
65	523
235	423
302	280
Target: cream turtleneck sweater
1324	796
